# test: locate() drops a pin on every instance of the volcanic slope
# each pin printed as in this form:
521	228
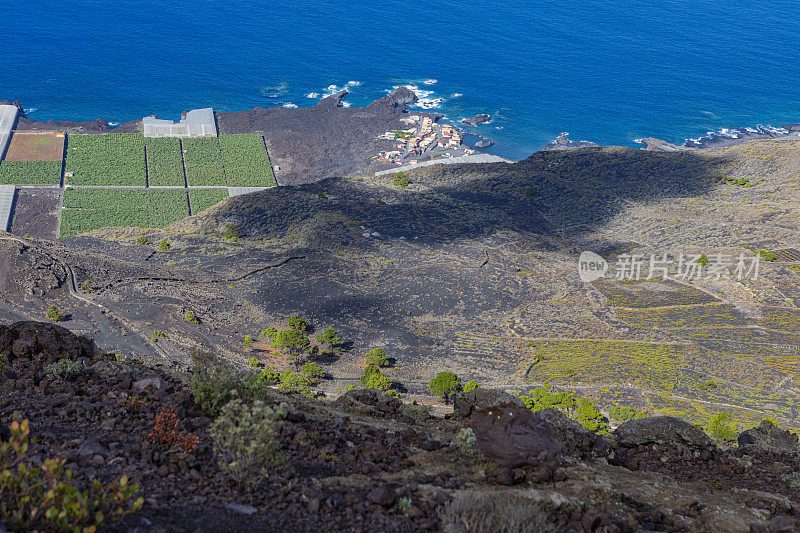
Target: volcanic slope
472	268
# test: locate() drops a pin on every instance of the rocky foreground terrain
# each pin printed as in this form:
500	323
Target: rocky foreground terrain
366	461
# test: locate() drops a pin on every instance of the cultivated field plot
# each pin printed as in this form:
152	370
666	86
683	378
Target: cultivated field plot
780	318
698	385
647	365
89	209
40	146
739	368
715	315
164	162
202	199
108	159
203	162
30	173
246	161
36	213
651	294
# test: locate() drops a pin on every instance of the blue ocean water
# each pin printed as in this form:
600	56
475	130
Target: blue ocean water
604	70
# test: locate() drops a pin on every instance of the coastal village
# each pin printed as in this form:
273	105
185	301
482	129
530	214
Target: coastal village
424	139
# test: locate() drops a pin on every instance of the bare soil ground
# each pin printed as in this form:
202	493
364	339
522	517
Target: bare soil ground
36	212
45	146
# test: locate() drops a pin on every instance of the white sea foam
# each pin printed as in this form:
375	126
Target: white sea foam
456	95
29	110
289	105
346	104
312	95
354	84
112	124
424	98
431	81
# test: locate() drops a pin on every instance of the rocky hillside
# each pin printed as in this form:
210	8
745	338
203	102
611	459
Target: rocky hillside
211	449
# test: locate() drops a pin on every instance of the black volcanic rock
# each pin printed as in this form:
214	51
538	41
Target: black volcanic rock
662	430
767	437
481	118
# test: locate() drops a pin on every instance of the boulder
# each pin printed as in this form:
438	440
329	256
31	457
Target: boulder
465	403
513	437
578	441
768	437
480	118
662	430
44	342
370	402
151	381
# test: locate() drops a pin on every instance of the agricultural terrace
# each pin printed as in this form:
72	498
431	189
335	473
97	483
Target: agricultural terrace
715	315
30	173
651	294
164	162
202	199
108	159
203	161
246	162
781	318
47	146
89	209
652	366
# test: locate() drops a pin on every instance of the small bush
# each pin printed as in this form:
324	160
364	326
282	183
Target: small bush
373	378
721	427
168	436
191	318
245	441
401	180
64	368
330	339
42	497
141	240
312	373
298	324
444	384
292	382
467	442
231	233
471	385
623	413
377	357
53	314
580	409
164	245
212	383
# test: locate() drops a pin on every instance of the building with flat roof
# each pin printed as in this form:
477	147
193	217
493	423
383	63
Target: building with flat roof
196	123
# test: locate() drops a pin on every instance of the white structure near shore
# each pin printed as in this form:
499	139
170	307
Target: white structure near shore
196	123
8	117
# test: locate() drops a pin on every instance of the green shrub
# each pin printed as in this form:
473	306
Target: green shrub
231	233
292	382
64	368
42	497
444	384
299	324
53	314
470	385
467	442
401	180
721	427
191	318
292	343
312	373
377	357
373	378
212	383
330	339
623	413
245	441
268	333
702	260
141	240
164	245
579	409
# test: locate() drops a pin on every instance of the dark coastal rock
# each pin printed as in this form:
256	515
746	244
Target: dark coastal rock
480	118
657	145
513	437
465	403
484	143
662	430
563	142
769	438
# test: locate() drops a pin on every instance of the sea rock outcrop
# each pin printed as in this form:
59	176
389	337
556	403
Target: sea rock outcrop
480	118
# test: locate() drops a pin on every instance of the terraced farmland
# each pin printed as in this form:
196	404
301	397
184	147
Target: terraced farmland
89	209
203	162
30	173
246	161
781	319
202	199
650	294
715	315
164	162
647	365
109	159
